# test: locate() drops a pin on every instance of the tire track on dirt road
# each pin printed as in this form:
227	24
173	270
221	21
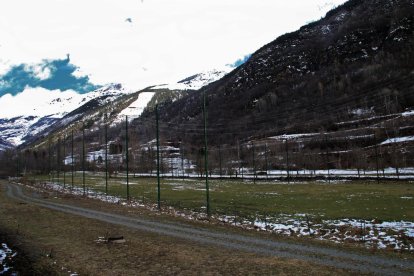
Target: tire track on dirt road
309	253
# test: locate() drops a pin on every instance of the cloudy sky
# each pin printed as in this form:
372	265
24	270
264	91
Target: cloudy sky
78	45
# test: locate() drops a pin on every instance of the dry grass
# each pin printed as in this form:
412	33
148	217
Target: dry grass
71	242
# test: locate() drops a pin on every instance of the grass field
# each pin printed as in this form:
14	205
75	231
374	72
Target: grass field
388	201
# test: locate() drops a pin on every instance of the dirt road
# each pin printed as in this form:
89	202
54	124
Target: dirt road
309	253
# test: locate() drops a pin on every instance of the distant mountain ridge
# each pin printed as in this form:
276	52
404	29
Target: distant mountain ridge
65	109
197	81
19	129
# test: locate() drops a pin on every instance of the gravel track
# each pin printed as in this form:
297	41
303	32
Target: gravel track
309	253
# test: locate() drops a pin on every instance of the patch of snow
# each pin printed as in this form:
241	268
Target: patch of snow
5	254
408	113
340	17
137	107
197	81
326	29
362	111
398	140
293	136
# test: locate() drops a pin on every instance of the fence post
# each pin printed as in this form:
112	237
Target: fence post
267	162
254	163
327	159
397	171
376	157
238	156
287	160
206	154
64	162
72	162
106	154
83	159
182	159
126	156
58	160
158	158
50	162
221	168
17	164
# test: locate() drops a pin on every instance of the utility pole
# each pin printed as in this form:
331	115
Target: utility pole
126	156
158	158
206	154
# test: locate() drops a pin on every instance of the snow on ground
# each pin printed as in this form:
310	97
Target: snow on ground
408	113
293	136
397	235
398	140
6	255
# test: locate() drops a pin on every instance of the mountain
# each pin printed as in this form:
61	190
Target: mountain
197	81
4	145
355	63
43	109
61	112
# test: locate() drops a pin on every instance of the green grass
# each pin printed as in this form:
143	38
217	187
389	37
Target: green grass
354	199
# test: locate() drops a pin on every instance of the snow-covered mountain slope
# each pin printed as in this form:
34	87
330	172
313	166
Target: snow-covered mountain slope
136	108
197	81
40	112
34	110
169	92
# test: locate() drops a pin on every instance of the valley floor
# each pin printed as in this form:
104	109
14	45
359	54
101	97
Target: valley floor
68	233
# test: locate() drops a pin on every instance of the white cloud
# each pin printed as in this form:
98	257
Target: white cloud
171	39
40	72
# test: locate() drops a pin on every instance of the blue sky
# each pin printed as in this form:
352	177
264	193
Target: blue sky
240	61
